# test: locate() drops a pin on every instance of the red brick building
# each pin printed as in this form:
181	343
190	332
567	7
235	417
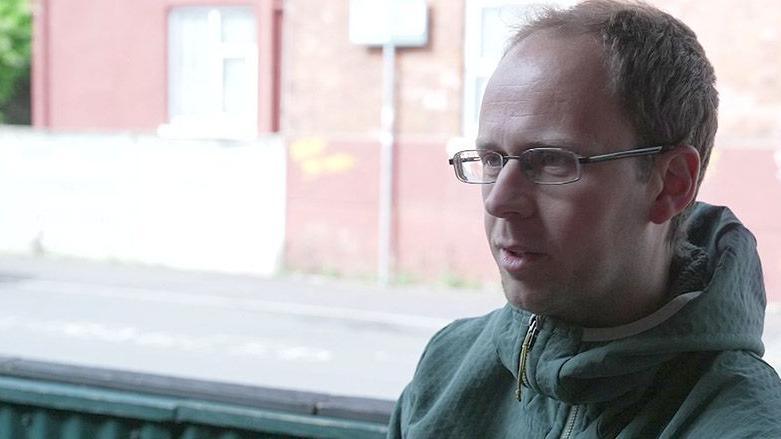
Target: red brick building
288	67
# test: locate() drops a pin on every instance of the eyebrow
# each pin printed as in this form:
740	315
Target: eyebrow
483	145
553	143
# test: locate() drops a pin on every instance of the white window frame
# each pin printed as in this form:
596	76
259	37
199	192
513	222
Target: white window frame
217	123
478	67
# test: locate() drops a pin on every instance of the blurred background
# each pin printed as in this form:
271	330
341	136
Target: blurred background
257	191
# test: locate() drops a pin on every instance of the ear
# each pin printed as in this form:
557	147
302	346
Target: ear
676	173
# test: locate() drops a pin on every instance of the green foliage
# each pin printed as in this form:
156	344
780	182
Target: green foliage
15	46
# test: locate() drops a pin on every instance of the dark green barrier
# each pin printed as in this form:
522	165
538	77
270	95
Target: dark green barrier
43	400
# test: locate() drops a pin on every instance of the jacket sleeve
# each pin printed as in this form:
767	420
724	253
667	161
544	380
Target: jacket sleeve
397	427
403	411
738	397
406	405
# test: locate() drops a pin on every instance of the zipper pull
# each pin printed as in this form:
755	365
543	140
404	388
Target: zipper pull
528	342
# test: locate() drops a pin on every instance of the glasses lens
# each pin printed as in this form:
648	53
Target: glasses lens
492	165
478	166
550	165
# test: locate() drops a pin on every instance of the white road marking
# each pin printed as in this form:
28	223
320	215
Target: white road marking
213	300
211	344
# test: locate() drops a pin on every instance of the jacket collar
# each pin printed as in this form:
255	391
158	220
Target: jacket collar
716	303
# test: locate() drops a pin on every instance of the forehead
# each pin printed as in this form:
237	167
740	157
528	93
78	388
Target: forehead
552	86
554	57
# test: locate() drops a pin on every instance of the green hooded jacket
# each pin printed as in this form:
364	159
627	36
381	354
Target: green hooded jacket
692	369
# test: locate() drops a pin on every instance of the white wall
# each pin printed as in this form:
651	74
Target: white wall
203	205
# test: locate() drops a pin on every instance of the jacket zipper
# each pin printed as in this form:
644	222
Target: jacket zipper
569	426
528	342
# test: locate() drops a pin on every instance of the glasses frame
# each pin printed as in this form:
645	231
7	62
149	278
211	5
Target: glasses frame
581	160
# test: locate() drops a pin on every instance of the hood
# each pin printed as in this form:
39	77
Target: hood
717	303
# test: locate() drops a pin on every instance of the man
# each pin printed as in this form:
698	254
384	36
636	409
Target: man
622	319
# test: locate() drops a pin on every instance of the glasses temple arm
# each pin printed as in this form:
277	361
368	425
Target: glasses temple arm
622	154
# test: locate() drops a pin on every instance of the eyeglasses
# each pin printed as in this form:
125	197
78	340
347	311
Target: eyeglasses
540	165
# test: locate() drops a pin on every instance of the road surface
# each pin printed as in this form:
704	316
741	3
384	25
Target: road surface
301	333
297	333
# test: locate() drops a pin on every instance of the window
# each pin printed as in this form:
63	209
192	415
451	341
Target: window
489	23
212	72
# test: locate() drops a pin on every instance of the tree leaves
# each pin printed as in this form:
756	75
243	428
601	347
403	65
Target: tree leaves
15	46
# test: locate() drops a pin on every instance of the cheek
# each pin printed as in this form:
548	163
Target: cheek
488	222
582	246
575	221
488	219
599	224
485	189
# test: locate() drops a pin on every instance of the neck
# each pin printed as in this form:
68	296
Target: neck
651	293
638	291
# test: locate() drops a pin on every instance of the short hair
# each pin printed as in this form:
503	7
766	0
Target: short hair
656	68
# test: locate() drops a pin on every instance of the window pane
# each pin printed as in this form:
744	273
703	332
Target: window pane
236	99
480	84
497	26
238	25
191	80
492	40
213	68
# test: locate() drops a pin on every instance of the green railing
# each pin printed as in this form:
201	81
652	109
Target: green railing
41	400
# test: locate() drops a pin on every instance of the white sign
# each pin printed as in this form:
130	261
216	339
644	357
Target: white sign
401	22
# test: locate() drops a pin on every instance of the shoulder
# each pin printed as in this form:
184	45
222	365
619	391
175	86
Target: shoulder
453	357
738	396
455	341
742	377
461	350
745	377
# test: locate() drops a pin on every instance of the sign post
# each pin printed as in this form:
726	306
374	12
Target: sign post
390	24
387	141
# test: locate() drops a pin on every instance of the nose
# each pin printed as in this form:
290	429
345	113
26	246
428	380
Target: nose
512	195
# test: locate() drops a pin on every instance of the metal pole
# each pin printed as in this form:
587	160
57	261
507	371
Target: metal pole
388	116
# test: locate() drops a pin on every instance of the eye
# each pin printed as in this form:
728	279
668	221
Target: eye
550	165
556	162
491	159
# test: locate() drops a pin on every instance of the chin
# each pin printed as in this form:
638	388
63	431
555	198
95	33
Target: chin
523	297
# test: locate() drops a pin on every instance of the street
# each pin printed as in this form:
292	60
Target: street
294	332
298	333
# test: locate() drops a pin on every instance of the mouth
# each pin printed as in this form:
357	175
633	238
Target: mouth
516	261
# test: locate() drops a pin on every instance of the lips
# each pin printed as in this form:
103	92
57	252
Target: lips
516	260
